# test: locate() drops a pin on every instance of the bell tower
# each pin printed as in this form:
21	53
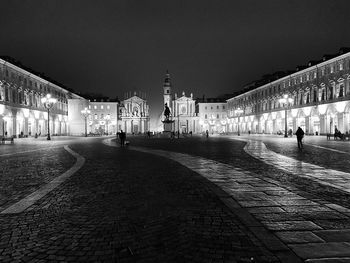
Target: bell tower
167	90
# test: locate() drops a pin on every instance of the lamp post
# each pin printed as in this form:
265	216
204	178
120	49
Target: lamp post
107	118
238	112
285	100
85	112
48	104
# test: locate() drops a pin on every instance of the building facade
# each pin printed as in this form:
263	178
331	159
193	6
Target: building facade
101	119
182	109
22	113
134	115
320	100
212	113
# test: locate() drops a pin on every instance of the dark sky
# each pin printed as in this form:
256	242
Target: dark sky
209	47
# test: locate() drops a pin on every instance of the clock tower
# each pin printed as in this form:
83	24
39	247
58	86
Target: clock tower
167	91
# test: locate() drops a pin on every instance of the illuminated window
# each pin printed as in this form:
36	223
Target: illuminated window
101	107
89	106
340	66
108	107
95	107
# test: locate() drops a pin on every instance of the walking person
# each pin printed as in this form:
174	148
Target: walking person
300	135
122	137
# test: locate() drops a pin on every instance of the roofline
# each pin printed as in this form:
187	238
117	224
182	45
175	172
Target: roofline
294	74
29	74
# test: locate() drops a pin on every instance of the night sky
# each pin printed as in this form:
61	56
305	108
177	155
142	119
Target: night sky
209	47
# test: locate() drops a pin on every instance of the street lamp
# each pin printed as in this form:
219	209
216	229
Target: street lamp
285	100
238	112
48	104
85	112
107	118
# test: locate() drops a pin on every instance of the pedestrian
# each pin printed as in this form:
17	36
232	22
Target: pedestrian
300	135
122	137
207	133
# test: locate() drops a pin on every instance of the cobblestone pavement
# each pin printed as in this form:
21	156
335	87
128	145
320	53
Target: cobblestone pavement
126	206
314	227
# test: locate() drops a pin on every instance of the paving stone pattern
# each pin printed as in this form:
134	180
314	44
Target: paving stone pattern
21	174
127	206
302	222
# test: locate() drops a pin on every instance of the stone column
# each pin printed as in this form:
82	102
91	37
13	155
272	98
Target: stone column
323	126
25	128
14	127
307	125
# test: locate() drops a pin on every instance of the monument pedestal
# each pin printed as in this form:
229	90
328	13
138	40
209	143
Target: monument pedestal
167	127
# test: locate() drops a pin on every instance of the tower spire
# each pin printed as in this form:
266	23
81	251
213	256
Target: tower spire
167	89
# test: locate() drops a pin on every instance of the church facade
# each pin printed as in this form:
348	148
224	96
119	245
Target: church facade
182	109
134	115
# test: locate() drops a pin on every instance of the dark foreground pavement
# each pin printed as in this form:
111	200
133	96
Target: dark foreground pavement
128	206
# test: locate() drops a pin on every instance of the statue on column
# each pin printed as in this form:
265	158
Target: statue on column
167	123
166	112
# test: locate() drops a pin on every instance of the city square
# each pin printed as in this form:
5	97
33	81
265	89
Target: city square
206	199
175	131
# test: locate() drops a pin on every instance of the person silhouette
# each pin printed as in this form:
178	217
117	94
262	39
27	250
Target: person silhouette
300	135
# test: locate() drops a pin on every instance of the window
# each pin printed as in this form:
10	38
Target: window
205	116
89	106
307	77
108	107
217	116
205	107
101	107
95	107
211	107
332	69
315	74
95	116
340	66
223	107
217	107
341	90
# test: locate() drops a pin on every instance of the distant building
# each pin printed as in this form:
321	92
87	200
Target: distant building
134	115
102	119
319	100
182	109
212	113
22	113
